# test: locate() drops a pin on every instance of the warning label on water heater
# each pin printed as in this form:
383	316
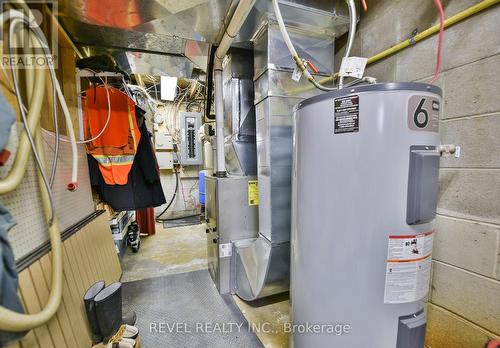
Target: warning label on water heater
346	114
408	268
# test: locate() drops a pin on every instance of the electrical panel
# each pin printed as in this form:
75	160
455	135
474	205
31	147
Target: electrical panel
163	141
191	148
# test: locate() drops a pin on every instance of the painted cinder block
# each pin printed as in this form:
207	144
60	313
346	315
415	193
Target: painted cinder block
478	140
447	330
470	193
417	62
467	244
467	294
473	89
473	39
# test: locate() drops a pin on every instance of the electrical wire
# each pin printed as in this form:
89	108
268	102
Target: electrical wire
86	141
158	217
108	118
439	7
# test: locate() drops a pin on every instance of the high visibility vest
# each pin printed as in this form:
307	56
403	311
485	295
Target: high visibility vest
115	148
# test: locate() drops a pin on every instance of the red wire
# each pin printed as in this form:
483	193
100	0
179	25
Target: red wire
365	7
439	7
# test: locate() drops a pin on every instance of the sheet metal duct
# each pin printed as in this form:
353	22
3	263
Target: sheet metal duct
239	113
155	64
262	265
174	28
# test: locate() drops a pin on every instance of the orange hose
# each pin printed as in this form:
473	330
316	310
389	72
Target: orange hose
365	7
439	7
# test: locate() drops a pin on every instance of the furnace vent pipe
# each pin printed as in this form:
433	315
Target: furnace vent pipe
234	26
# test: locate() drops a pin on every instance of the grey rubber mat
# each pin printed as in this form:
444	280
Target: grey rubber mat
185	310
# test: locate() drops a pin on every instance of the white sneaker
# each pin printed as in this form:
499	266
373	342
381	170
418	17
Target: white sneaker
130	332
121	344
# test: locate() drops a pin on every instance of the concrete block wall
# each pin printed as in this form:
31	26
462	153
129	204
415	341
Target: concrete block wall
464	301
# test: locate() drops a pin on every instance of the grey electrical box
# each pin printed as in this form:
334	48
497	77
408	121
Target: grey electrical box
422	184
190	123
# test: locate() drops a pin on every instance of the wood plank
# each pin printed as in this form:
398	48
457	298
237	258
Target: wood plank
30	299
92	245
29	340
102	225
105	242
81	240
75	255
42	290
75	306
102	251
108	248
62	314
14	345
91	269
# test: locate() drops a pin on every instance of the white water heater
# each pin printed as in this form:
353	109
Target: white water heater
365	185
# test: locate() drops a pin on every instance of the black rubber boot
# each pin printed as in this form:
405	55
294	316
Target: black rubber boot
88	300
108	304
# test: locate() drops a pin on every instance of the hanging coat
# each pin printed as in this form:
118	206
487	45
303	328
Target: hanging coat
143	188
115	148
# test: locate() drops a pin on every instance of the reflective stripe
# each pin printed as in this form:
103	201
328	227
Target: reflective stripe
109	160
131	125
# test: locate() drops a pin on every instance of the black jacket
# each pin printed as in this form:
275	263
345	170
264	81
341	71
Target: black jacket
143	189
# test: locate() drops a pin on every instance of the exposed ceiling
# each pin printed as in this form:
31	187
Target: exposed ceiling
172	37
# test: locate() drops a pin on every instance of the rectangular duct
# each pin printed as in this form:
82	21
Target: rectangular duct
276	93
262	265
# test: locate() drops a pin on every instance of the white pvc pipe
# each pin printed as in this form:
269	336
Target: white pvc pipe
234	26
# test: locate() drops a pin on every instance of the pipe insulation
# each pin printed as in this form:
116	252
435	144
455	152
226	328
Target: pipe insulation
232	29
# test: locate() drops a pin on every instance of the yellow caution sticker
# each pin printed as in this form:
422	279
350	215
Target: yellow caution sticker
253	192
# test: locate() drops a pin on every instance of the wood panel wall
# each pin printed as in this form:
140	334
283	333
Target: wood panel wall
88	256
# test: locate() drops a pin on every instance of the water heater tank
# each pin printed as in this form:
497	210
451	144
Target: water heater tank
365	184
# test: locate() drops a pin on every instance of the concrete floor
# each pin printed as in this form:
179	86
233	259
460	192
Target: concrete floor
169	251
183	249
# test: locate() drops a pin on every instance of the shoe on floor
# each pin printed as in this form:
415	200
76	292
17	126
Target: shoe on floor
130	332
126	333
121	344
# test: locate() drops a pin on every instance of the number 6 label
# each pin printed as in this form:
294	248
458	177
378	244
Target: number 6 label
423	113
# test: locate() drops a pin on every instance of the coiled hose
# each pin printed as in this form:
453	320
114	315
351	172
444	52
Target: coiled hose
35	88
